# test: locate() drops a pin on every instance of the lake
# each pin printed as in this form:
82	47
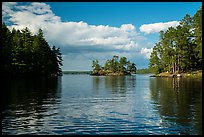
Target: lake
84	104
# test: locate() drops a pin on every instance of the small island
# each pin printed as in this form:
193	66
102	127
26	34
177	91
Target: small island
114	67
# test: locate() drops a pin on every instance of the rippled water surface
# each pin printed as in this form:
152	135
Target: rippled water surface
83	104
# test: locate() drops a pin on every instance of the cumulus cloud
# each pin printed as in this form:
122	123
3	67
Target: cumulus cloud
91	41
146	52
157	27
32	15
128	27
39	15
36	8
7	8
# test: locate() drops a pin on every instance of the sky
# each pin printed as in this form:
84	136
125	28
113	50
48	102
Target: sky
85	31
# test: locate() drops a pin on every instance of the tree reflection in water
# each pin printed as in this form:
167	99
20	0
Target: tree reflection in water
178	100
115	84
26	100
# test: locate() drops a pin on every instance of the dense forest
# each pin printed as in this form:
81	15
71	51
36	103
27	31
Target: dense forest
114	66
26	54
179	49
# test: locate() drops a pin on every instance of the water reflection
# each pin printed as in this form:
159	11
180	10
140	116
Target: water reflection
115	84
115	102
83	104
178	100
97	82
26	101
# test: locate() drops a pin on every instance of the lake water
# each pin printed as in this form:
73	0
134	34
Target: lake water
84	104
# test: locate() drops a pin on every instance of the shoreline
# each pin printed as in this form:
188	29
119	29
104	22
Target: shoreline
192	74
112	74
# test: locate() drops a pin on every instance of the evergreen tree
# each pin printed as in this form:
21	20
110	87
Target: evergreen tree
27	54
154	61
179	48
114	67
197	35
6	49
96	67
122	64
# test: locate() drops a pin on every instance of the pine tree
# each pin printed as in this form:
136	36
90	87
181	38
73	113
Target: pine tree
28	54
179	48
154	62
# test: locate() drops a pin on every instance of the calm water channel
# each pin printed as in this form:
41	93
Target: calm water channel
83	104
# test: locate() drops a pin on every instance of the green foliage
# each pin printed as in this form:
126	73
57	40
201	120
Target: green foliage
180	48
122	64
114	67
154	61
27	54
197	33
131	68
96	67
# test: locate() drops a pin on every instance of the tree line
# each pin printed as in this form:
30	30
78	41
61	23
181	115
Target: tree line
26	54
114	66
143	71
179	49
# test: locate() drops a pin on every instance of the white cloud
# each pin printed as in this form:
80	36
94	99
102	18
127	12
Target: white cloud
7	9
146	52
39	15
36	8
127	27
91	41
157	27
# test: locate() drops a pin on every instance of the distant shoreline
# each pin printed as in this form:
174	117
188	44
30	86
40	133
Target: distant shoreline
89	72
76	72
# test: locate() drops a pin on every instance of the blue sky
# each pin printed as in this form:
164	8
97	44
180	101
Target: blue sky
98	30
118	13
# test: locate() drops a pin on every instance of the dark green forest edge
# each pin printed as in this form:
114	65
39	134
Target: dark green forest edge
25	54
179	50
114	67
